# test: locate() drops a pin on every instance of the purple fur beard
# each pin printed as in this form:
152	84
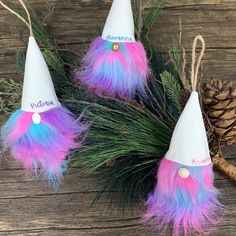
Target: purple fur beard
189	204
43	147
119	73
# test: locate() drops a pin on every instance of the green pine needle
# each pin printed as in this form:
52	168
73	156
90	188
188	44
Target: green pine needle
10	97
172	88
176	57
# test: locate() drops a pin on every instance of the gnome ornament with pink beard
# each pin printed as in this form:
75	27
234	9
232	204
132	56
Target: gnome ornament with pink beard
115	64
185	196
41	134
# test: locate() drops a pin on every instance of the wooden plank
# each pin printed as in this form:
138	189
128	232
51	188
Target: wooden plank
72	22
200	4
216	26
216	63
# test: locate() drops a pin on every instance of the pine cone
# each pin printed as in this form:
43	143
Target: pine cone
219	102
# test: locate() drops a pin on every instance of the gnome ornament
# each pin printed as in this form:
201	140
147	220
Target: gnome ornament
41	134
115	64
185	195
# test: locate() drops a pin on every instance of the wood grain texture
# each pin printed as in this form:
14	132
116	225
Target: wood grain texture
78	22
29	207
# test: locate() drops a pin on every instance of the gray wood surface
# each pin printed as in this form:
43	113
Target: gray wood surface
29	207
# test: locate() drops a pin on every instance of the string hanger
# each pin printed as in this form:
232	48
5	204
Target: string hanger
29	23
194	72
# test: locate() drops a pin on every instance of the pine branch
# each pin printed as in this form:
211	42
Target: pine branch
131	138
121	130
172	88
177	58
10	97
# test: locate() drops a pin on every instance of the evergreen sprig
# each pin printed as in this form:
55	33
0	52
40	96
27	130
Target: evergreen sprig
119	125
123	147
10	97
172	88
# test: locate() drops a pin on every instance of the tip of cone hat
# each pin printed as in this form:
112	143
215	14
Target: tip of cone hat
119	26
38	91
31	40
189	144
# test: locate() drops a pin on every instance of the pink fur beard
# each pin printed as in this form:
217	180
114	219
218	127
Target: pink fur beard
43	148
189	204
119	73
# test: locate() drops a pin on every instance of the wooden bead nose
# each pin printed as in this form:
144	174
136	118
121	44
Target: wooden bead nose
184	173
36	118
115	47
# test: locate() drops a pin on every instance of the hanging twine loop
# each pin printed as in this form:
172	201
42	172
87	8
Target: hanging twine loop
29	23
194	72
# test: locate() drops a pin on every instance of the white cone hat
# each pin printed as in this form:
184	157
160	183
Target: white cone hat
38	91
119	26
189	145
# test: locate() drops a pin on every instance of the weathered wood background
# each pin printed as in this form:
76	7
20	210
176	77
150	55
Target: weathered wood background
30	207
